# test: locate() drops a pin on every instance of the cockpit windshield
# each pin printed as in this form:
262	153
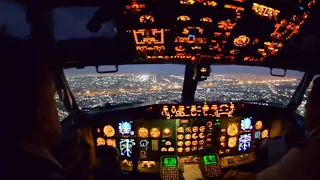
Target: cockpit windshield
131	84
248	83
164	83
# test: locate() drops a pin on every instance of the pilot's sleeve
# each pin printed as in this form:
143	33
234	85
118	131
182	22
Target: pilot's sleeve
286	168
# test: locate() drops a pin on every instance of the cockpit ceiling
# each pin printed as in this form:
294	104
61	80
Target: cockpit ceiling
258	33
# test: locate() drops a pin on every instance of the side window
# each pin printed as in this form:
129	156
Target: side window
301	108
62	111
15	24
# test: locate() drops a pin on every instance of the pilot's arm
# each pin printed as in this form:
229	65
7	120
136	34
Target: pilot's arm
286	168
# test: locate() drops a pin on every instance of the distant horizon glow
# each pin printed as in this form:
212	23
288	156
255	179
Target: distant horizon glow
174	69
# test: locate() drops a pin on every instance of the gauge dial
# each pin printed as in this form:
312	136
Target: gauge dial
143	154
258	125
241	41
265	133
202	128
155	132
180	143
171	149
223	144
101	142
232	142
201	142
187	136
188	130
144	143
164	149
209	124
143	132
180	150
108	131
194	143
187	149
167	132
187	143
194	136
111	142
232	130
195	129
168	143
146	19
194	148
180	130
201	136
222	138
180	136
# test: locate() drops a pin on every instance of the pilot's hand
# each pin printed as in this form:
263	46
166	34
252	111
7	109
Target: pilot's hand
230	175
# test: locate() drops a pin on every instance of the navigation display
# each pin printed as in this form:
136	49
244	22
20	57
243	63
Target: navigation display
210	159
169	161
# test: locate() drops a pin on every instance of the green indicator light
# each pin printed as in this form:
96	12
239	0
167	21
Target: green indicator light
163	140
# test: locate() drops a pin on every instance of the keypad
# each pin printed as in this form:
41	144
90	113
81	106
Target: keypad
170	173
213	170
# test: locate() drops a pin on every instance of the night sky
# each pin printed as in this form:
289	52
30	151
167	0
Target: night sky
70	23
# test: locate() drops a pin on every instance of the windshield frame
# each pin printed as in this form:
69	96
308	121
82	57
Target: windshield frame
108	105
292	102
187	90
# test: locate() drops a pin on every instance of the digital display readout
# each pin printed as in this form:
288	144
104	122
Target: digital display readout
209	159
169	161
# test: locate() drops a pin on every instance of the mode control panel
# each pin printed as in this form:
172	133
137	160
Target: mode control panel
169	168
230	161
211	166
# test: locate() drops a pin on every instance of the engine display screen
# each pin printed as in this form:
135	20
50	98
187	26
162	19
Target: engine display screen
210	159
126	147
244	142
169	161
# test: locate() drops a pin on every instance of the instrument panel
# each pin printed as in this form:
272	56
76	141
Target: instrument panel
226	130
226	31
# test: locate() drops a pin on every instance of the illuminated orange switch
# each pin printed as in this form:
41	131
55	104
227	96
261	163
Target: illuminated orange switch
148	36
226	25
210	3
265	11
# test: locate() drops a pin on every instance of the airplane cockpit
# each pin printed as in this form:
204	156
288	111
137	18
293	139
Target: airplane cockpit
180	89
